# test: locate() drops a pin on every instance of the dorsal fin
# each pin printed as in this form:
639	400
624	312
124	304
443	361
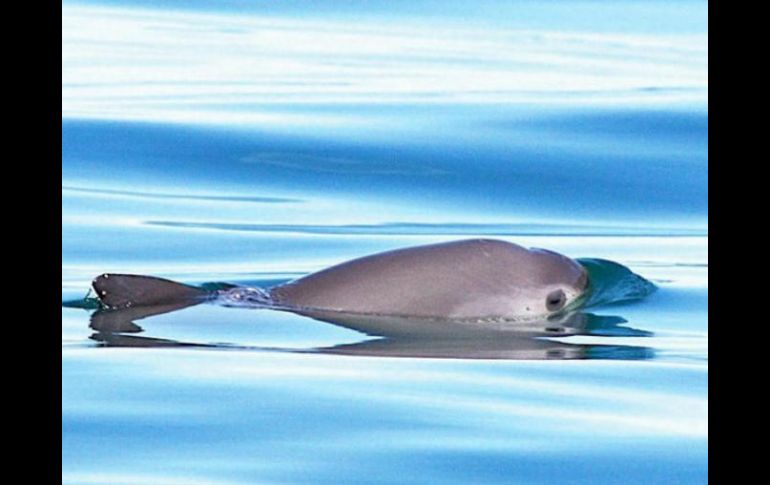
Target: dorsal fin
125	290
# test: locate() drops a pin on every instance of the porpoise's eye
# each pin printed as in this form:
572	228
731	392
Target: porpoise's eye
555	300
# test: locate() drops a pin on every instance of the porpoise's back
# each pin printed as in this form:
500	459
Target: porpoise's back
460	279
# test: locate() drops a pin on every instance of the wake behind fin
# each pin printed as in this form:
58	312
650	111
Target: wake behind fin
125	290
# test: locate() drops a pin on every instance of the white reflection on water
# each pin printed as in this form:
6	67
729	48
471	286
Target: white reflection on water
134	64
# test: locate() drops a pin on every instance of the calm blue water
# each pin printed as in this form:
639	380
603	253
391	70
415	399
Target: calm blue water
254	142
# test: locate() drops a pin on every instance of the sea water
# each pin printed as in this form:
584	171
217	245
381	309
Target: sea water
255	142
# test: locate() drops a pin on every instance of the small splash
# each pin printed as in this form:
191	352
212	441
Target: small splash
245	297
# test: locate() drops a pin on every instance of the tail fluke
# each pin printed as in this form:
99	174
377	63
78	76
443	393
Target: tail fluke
124	290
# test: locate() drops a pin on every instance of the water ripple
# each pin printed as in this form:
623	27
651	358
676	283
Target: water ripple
444	229
154	195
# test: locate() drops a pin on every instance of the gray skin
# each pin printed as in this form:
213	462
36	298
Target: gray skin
469	279
476	279
125	290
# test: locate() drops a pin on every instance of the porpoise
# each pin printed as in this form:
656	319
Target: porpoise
468	279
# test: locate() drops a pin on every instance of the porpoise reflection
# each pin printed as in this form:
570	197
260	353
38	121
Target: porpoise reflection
408	337
473	299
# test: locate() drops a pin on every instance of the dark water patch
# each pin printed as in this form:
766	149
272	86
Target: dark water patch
442	229
611	282
610	326
461	165
680	126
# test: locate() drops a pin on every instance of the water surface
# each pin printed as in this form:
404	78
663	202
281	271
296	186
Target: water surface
253	142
